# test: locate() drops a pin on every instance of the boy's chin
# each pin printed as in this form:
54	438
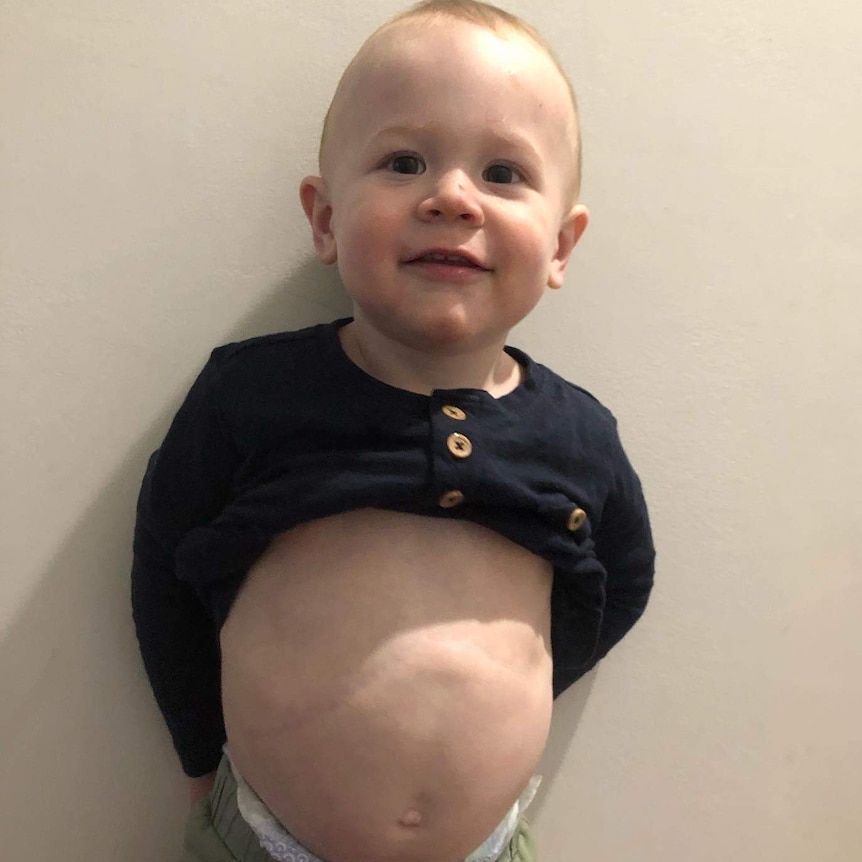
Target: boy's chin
447	334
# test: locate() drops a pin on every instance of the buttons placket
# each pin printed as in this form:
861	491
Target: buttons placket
460	446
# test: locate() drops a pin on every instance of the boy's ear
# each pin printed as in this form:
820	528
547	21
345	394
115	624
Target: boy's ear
314	196
571	230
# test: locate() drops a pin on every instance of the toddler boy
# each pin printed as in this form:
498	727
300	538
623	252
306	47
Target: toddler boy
370	553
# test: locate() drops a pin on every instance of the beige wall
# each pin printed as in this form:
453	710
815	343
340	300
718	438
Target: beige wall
148	210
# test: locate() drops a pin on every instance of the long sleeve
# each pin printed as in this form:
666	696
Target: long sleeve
187	482
624	545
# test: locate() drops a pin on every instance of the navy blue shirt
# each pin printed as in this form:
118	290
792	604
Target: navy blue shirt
284	429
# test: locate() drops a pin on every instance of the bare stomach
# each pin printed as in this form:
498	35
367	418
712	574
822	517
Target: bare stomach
386	681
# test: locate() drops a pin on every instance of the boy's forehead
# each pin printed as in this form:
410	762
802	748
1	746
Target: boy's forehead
410	50
408	40
402	60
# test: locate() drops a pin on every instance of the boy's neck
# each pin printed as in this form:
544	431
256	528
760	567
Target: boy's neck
487	367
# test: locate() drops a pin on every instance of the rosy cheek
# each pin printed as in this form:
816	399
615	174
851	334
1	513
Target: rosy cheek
360	250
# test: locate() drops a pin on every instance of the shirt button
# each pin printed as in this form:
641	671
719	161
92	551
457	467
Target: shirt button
576	519
451	499
459	445
454	412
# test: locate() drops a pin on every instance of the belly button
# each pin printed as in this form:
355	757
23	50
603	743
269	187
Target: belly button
411	817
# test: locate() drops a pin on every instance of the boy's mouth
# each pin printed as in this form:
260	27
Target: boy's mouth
448	258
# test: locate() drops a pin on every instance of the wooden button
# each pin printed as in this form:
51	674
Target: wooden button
459	445
451	499
454	412
577	517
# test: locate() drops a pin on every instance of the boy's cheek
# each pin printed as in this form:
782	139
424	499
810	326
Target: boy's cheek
369	234
360	266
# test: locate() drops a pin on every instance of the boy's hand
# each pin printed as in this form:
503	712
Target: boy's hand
200	787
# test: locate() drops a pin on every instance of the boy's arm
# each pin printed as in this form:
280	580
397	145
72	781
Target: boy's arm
186	484
611	589
200	787
624	546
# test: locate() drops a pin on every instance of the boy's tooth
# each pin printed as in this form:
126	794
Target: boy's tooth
446	258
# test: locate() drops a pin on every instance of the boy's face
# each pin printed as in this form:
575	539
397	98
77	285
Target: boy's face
446	195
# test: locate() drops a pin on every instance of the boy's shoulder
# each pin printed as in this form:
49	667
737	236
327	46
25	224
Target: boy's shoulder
570	396
257	368
298	342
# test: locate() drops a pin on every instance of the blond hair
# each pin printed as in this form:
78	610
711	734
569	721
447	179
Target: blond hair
484	15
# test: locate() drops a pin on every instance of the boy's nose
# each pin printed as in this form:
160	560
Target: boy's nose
452	197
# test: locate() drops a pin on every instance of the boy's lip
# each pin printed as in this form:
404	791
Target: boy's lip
450	256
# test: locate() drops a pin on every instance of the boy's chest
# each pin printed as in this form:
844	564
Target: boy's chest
525	468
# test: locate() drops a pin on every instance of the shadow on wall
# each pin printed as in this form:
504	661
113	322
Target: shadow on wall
568	709
82	739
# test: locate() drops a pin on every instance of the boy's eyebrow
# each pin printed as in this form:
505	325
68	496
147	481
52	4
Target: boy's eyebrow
405	131
511	141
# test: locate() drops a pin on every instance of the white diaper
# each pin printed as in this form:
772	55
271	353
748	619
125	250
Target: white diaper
283	847
491	849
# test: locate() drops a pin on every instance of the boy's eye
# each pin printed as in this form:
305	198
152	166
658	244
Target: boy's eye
501	173
405	164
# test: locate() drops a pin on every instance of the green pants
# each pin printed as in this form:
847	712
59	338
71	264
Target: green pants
215	831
